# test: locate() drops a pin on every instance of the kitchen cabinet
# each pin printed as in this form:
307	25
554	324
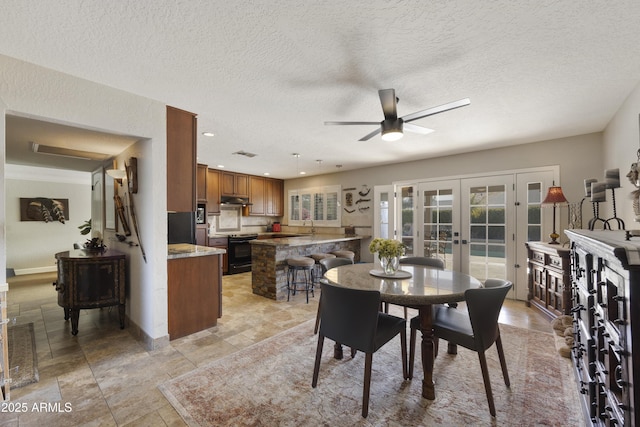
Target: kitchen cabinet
201	234
181	160
213	191
234	184
221	243
201	183
606	325
194	294
274	197
257	195
549	279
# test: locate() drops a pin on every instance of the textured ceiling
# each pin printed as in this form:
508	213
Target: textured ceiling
265	75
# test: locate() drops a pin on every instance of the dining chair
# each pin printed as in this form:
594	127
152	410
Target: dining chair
477	329
352	317
328	264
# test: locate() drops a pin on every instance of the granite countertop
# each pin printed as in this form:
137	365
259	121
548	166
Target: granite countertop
186	250
310	239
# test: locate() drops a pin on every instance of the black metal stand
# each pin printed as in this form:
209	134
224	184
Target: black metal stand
596	217
615	216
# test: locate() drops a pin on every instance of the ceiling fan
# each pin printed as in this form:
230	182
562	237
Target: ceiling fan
392	125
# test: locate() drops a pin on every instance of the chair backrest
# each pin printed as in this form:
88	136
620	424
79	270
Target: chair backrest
484	305
329	263
423	260
349	316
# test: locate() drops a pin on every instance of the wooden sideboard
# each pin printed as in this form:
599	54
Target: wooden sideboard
549	278
605	271
90	279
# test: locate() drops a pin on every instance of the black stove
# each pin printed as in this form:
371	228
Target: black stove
239	253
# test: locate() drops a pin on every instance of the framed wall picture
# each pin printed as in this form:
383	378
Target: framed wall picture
44	209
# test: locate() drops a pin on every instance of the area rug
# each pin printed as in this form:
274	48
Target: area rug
269	384
23	359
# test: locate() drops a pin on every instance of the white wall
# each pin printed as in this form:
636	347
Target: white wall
621	144
577	157
31	245
32	91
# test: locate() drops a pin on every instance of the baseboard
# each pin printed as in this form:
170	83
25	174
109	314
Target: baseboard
148	342
36	270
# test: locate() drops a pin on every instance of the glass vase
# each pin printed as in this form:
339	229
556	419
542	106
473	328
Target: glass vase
389	265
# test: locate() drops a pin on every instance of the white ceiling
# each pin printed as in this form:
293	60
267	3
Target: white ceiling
264	75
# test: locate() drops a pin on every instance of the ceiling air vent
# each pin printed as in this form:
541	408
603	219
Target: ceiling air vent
67	152
244	153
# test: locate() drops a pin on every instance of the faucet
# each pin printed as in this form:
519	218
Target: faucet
313	230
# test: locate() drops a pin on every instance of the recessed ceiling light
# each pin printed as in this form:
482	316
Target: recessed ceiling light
267	174
303	173
208	133
221	166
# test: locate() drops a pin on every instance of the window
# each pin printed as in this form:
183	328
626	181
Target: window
320	205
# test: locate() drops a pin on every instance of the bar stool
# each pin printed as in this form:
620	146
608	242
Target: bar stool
294	266
344	254
318	268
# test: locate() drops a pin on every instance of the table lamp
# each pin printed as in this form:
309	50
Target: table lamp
554	196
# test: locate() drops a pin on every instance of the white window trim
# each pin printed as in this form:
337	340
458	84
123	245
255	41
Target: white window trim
325	190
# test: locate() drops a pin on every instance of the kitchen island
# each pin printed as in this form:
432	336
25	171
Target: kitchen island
269	258
194	288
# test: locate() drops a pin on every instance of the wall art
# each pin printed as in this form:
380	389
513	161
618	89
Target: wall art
44	209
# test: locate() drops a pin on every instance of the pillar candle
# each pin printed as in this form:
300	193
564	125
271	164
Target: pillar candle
598	192
587	186
612	178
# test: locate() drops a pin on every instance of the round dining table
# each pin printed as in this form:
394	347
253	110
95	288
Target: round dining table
412	286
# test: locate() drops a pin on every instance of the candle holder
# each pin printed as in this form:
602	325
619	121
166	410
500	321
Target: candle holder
596	217
619	221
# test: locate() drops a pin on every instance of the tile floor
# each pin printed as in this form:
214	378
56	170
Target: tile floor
109	379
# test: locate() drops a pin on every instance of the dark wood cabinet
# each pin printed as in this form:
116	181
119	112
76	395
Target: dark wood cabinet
181	160
90	279
274	197
605	271
195	294
234	184
549	278
257	195
221	243
201	183
201	234
213	191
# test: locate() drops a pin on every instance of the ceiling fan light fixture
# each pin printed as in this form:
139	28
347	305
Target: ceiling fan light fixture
391	130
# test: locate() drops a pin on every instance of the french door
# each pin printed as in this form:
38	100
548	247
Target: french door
476	225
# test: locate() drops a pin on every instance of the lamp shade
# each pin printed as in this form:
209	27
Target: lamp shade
116	173
554	195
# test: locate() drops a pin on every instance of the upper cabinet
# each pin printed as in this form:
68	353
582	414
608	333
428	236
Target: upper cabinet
234	184
201	183
256	195
181	160
274	197
213	191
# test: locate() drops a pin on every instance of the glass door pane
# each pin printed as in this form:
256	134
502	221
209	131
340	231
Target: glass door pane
440	221
406	208
487	209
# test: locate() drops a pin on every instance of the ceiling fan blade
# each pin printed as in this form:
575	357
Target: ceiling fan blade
370	135
435	110
388	100
352	123
417	129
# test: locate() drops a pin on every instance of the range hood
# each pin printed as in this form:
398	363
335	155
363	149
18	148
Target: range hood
237	201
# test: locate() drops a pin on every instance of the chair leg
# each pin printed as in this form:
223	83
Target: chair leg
316	367
403	345
405	313
503	362
487	382
412	352
315	329
367	384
